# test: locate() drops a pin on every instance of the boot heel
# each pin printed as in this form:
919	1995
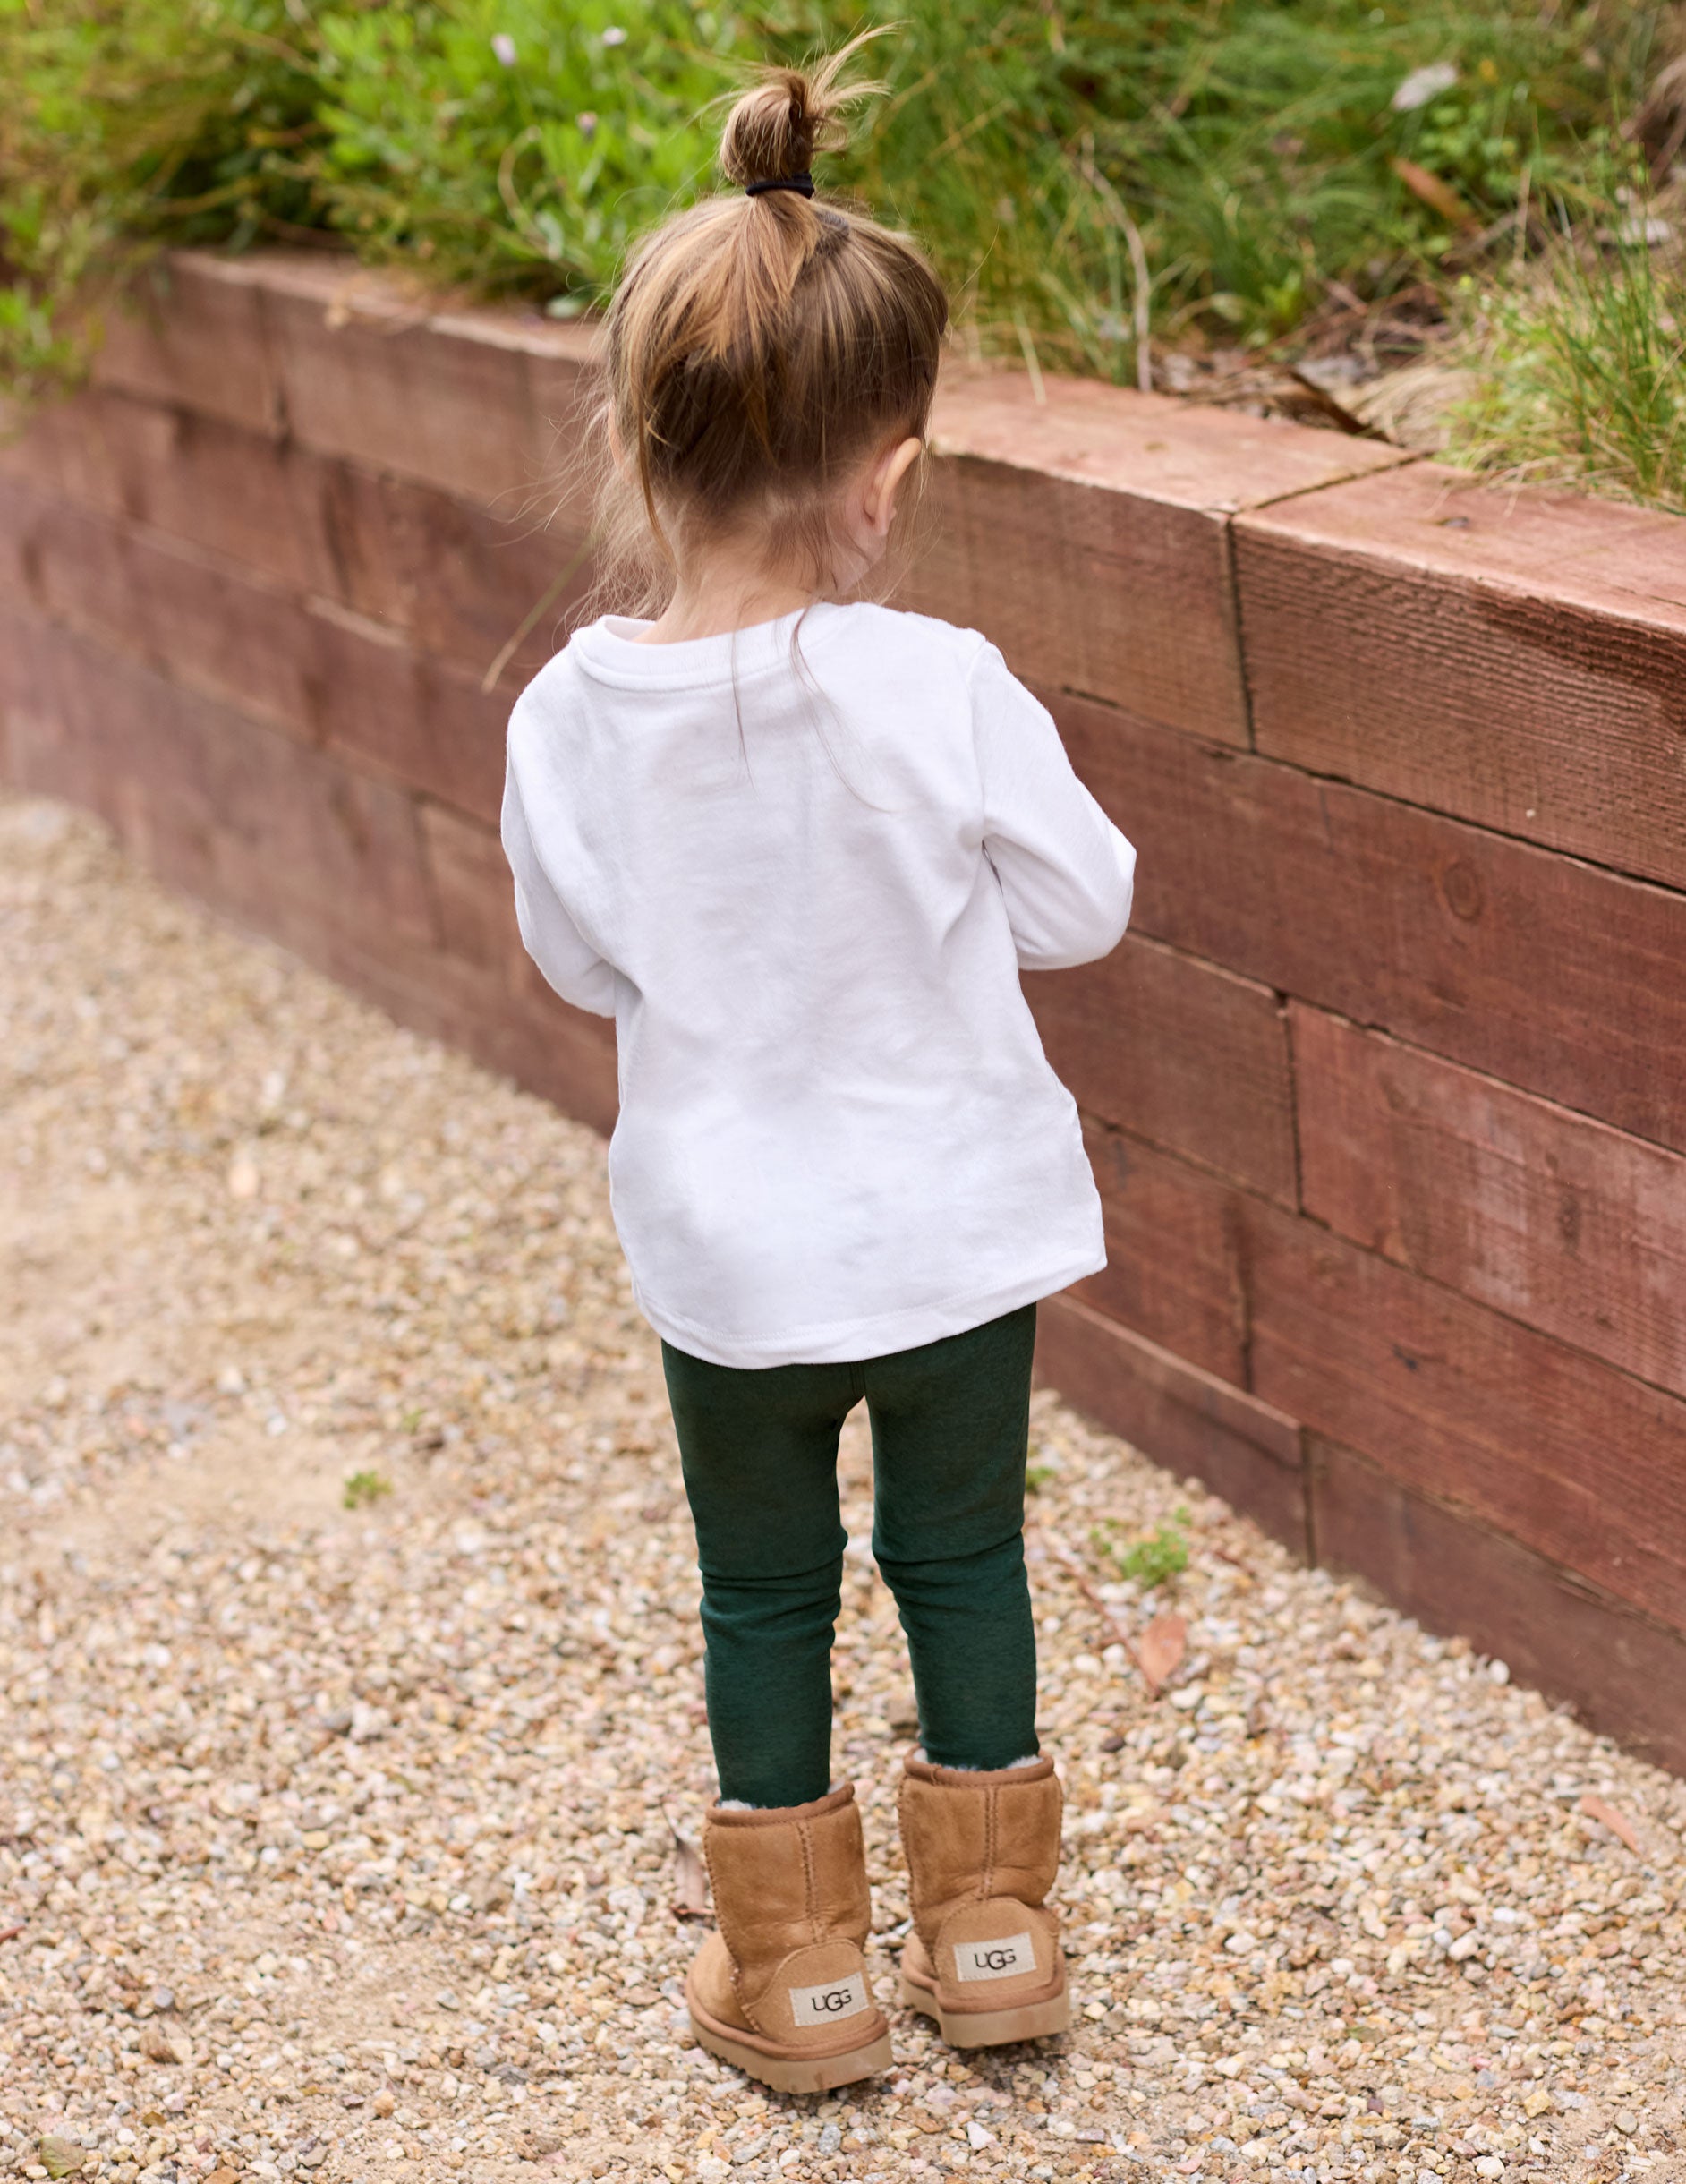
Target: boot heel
1000	2028
797	2074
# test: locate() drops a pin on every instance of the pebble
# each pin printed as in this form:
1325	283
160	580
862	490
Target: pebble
340	1839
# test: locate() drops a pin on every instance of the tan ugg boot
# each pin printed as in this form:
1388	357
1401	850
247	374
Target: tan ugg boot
983	1958
781	1989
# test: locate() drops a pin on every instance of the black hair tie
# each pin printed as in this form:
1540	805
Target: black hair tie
801	184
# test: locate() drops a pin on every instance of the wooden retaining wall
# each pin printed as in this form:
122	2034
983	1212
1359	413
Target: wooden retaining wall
1386	1090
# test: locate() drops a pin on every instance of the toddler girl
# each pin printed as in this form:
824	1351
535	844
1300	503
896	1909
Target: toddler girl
800	847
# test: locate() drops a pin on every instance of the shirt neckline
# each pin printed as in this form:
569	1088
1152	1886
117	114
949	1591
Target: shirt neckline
609	650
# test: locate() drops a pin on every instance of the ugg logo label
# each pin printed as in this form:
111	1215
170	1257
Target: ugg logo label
995	1960
838	1998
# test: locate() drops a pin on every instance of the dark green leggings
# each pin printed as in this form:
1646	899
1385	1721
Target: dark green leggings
759	1447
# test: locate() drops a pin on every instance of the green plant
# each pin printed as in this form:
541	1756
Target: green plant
1577	367
515	143
515	146
1098	179
1152	1558
1037	1476
363	1489
127	123
1243	157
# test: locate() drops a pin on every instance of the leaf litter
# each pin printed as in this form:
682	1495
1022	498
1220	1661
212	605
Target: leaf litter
1160	1649
1600	1809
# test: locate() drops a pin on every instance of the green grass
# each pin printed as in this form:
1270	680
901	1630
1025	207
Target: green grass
362	1490
1577	373
1250	146
1210	171
1153	1559
121	124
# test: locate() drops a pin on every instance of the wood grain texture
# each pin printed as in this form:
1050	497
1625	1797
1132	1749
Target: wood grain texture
239	814
1174	1240
1577	1461
192	333
349	459
457	578
68	564
1125	598
306	665
1622	1674
1535	967
1564	1223
58	448
1515	659
202	619
1150	447
250	501
467	401
1179	1052
1085	534
404	714
210	625
1188	1421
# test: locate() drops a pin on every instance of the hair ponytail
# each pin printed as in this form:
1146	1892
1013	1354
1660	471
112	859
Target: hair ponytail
761	345
776	130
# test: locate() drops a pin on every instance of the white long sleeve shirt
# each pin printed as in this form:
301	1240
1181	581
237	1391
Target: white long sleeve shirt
801	867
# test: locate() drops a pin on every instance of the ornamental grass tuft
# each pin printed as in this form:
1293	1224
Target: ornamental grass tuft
1576	369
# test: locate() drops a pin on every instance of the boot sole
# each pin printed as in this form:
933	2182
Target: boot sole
796	2073
979	2028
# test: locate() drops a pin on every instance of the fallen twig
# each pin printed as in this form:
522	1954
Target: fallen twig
1607	1816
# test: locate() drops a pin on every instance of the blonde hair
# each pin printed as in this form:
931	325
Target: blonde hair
760	347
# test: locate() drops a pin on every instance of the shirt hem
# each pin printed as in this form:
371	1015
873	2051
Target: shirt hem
850	1342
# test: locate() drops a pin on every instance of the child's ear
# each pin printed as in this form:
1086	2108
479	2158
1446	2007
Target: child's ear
885	481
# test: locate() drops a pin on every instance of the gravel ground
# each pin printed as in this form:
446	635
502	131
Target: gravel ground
341	1840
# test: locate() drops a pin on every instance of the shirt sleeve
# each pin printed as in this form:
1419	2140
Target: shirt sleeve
569	962
1066	871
